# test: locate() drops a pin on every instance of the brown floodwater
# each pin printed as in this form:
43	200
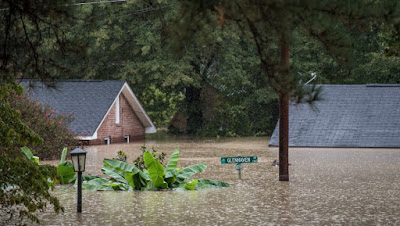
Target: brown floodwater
327	186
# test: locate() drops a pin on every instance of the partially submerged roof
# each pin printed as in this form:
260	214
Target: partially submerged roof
88	100
348	116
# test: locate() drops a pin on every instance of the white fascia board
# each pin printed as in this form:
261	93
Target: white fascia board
94	137
150	128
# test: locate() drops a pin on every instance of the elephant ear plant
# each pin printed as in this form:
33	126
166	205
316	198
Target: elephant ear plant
65	170
124	176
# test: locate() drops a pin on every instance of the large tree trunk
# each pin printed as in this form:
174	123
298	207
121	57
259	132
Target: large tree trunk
194	110
284	120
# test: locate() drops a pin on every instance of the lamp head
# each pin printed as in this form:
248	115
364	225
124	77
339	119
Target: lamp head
78	157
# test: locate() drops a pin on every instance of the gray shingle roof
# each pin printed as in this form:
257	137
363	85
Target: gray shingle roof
348	116
88	100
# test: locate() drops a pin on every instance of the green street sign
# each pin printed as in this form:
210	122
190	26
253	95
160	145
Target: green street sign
239	160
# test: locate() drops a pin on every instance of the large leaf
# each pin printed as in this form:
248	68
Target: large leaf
160	183
171	178
100	184
65	172
99	181
120	166
155	169
63	155
103	184
172	163
115	174
206	183
120	186
145	175
191	185
188	172
85	177
129	177
36	159
27	152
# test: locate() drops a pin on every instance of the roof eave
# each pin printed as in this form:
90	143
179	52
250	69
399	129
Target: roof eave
93	137
134	102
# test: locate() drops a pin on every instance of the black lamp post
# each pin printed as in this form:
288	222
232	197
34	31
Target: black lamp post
78	157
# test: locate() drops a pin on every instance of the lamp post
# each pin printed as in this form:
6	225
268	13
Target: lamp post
78	157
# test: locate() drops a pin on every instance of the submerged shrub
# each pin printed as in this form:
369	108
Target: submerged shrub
153	177
48	124
121	156
139	162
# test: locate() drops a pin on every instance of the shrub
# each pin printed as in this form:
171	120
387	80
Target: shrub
139	162
121	156
48	124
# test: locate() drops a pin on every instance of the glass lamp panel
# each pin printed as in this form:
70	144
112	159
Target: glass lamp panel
82	159
75	162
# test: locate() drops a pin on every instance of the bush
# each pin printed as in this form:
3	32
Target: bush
48	124
139	162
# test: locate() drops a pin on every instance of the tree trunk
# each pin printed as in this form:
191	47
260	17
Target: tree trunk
194	110
284	120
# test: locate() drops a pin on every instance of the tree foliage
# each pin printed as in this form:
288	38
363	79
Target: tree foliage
24	188
50	125
32	45
32	39
133	41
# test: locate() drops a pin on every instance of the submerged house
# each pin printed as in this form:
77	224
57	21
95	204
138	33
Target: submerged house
347	116
105	111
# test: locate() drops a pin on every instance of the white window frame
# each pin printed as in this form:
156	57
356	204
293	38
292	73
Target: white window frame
107	140
117	118
127	137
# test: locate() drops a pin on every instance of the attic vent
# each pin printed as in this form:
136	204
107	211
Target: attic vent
383	85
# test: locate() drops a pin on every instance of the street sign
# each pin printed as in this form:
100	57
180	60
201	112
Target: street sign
239	159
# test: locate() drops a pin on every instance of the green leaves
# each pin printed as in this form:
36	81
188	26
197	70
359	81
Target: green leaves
172	163
189	171
206	183
29	154
155	169
191	185
123	167
63	155
65	172
127	177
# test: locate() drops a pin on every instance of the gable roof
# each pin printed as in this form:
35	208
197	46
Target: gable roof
89	101
347	116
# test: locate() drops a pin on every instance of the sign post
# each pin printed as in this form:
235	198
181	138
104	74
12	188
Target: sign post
238	161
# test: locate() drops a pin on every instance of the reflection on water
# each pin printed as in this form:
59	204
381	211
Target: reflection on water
327	186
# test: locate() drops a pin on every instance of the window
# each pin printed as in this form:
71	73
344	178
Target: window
126	138
117	111
107	140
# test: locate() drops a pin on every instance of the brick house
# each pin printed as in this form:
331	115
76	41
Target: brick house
346	116
105	111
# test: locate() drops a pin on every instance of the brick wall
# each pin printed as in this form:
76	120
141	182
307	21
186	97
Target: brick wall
129	124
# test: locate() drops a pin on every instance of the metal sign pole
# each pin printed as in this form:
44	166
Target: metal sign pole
239	168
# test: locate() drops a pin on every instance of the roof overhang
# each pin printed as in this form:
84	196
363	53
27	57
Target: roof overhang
137	108
93	137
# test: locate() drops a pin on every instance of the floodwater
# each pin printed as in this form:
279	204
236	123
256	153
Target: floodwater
327	186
